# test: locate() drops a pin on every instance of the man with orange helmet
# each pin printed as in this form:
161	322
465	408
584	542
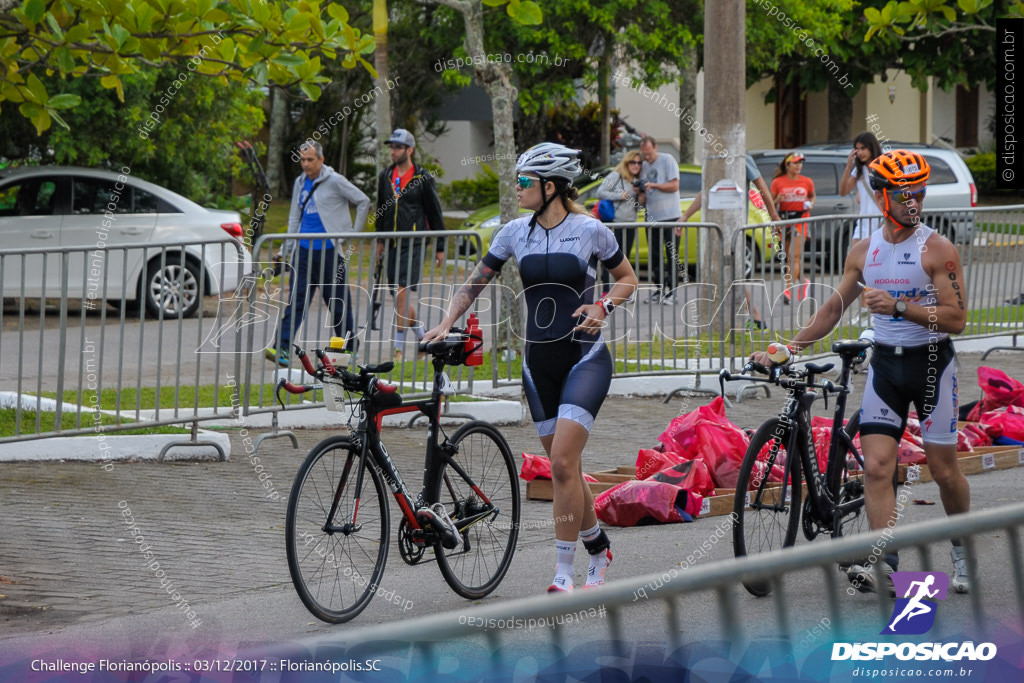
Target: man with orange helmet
913	285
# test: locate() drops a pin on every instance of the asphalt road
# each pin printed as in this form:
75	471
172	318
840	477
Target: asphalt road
75	585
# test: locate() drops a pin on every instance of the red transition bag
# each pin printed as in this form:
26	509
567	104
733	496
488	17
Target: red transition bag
692	475
1008	422
707	433
649	462
976	436
998	391
639	503
539	467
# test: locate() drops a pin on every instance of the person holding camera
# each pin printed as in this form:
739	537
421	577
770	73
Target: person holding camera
624	189
660	175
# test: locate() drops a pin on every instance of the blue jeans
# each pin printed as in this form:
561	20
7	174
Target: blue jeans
311	269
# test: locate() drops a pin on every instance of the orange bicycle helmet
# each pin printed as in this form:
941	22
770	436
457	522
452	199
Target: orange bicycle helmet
897	169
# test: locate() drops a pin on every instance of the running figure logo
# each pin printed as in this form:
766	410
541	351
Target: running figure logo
914	613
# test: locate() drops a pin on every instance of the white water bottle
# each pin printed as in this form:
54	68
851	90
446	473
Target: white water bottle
779	354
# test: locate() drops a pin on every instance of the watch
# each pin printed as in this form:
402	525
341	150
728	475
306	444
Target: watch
899	309
606	305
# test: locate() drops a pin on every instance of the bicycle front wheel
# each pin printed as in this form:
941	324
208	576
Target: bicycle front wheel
480	491
336	561
765	512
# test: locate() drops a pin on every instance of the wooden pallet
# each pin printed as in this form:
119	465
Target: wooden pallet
978	461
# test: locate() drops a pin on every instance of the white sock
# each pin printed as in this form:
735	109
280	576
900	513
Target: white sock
565	552
591	534
420	332
399	338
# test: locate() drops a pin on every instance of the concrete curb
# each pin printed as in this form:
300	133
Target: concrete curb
107	448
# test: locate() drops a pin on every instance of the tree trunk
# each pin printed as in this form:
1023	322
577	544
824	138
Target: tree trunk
840	112
604	71
382	102
496	80
275	148
687	102
724	116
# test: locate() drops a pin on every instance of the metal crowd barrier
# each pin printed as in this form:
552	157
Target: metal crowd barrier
684	335
991	245
367	295
137	364
721	578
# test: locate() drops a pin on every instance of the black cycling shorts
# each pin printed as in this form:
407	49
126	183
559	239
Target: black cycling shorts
922	375
566	379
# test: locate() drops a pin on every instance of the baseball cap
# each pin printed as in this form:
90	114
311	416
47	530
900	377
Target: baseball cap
794	156
402	137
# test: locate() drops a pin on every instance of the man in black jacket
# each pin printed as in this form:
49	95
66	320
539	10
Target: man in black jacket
406	200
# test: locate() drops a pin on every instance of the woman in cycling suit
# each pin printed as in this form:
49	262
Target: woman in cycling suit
567	369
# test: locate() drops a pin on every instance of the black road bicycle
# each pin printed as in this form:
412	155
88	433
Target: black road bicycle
766	516
338	524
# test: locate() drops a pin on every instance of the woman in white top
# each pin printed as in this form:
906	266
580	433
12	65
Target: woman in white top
865	150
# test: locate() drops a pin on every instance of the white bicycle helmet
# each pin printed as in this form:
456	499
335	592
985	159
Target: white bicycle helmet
550	160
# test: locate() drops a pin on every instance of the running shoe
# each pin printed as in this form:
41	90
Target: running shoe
595	575
959	583
864	579
274	356
669	299
1017	300
654	298
560	584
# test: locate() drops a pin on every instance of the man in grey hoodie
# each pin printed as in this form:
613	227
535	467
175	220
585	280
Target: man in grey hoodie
320	204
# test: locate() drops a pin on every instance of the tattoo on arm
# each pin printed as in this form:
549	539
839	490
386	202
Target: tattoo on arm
463	298
956	290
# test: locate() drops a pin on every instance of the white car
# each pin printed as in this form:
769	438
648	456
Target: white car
54	207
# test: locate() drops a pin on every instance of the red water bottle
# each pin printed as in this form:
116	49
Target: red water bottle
474	341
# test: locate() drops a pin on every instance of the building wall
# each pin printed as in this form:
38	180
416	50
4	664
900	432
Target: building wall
457	150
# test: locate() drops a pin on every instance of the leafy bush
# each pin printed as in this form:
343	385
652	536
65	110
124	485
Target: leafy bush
472	193
983	168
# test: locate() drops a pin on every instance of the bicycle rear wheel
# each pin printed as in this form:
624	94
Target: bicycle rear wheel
489	523
846	486
769	521
336	567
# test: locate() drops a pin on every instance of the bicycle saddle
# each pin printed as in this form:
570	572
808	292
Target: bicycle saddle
851	347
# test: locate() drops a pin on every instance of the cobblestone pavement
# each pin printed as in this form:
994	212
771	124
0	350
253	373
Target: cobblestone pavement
67	554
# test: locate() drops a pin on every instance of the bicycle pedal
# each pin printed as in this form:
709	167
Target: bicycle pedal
437	517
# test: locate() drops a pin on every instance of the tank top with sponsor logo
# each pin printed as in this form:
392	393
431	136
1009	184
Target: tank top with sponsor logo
897	269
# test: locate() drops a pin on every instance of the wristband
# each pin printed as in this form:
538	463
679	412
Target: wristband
606	305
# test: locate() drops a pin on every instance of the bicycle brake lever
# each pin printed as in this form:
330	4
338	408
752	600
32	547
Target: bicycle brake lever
723	377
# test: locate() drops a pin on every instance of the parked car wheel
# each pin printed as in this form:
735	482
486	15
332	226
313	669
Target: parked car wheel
171	287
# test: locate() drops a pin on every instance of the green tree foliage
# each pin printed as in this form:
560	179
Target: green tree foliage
783	37
243	40
190	151
952	41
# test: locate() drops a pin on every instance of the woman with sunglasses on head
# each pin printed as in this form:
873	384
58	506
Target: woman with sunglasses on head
793	194
567	369
865	150
618	187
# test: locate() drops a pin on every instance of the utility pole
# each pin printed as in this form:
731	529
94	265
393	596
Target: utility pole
725	144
